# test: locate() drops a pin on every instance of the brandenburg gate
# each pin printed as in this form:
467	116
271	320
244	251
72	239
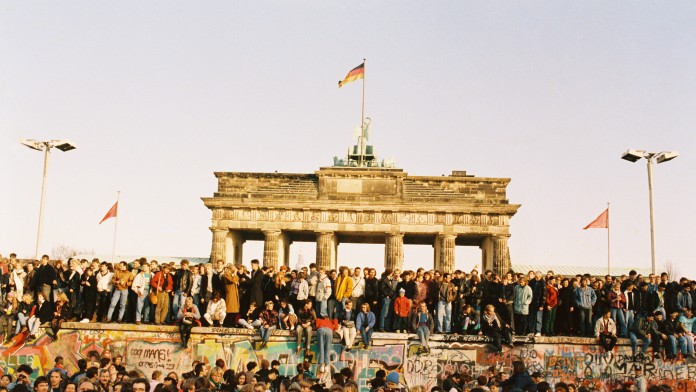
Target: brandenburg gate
361	205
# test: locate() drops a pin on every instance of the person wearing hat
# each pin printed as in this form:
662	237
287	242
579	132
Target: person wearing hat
402	307
393	380
269	322
365	321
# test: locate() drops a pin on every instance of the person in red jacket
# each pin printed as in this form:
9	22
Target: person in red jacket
550	307
325	328
162	284
402	308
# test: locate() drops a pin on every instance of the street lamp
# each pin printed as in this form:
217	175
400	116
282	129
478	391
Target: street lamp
45	146
659	157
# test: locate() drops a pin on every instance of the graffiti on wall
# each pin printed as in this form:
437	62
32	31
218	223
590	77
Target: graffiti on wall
158	348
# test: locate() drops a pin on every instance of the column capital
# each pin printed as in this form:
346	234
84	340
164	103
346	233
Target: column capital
446	236
219	229
395	234
268	232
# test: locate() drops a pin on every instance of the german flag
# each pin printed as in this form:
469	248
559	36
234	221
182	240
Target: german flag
354	74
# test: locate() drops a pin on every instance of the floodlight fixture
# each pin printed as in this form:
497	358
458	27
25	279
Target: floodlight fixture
33	144
633	155
659	157
665	156
45	146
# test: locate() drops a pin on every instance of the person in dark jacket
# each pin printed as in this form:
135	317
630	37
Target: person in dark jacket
255	290
72	280
46	278
386	290
44	310
645	328
408	284
61	312
672	338
453	381
88	282
183	281
536	308
520	378
493	327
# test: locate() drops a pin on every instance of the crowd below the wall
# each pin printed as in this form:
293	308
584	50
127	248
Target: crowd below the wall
653	311
104	373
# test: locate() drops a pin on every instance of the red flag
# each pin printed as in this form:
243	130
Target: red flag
602	221
113	212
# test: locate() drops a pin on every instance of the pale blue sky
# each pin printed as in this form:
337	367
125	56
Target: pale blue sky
158	95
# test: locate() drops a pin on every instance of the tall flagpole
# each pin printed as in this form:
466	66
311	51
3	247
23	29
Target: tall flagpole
113	249
362	118
608	244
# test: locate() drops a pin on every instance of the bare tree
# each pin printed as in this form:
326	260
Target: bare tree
671	269
63	252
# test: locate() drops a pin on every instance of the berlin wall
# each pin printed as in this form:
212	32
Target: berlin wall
149	348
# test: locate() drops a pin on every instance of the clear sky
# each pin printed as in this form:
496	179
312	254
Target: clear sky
158	95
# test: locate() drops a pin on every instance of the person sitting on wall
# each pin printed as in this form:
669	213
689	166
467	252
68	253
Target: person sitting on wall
365	321
61	312
422	324
645	328
493	327
216	312
251	319
605	330
305	322
287	316
469	320
9	314
188	317
269	322
346	326
26	315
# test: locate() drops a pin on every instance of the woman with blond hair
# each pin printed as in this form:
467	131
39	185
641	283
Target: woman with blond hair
61	312
9	313
26	315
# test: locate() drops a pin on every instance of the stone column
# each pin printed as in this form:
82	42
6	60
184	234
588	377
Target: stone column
326	250
235	247
270	248
284	249
501	255
218	250
444	252
394	251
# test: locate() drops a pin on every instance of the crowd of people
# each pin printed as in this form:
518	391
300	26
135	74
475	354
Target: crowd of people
351	303
104	373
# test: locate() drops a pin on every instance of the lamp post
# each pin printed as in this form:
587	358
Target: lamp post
658	157
45	146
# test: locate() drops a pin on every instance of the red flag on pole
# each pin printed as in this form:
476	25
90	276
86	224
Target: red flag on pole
113	212
602	221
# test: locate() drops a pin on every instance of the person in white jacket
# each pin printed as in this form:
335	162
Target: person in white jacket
323	292
216	312
141	287
104	288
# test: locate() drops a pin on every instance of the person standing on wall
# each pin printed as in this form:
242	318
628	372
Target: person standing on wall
183	281
523	297
585	298
162	283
